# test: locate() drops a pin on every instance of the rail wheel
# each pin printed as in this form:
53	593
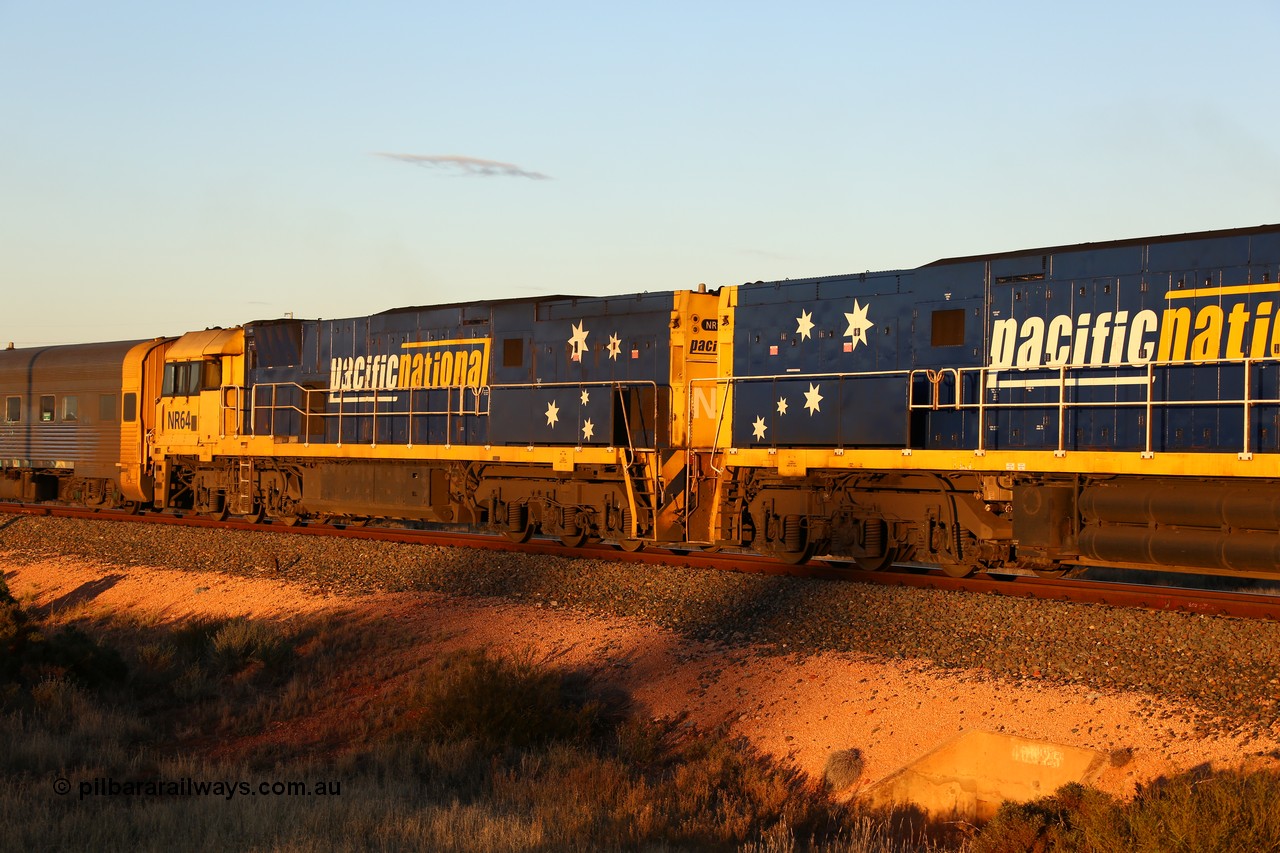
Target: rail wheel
520	536
573	540
631	545
876	564
1049	573
288	520
957	570
793	558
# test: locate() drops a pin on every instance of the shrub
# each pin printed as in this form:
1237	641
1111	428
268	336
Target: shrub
1224	811
241	643
500	702
28	655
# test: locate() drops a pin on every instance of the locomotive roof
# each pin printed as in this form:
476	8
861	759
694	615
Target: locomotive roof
1134	241
514	300
1044	250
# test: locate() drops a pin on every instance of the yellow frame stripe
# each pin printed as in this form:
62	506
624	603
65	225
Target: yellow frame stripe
801	461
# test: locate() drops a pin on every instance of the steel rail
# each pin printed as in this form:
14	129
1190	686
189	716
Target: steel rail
1243	605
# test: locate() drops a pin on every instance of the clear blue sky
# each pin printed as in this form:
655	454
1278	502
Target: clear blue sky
170	166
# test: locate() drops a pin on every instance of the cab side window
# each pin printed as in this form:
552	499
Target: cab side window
212	375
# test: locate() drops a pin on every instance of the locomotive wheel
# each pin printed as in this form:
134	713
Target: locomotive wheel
631	545
957	570
573	540
288	520
1059	571
793	558
519	536
875	564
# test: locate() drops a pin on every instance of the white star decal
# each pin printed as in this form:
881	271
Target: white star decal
782	405
588	429
552	413
579	340
759	428
586	398
858	323
812	398
804	325
615	347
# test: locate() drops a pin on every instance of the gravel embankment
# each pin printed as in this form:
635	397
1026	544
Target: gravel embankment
1228	668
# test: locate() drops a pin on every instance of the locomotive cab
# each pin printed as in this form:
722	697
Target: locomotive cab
199	399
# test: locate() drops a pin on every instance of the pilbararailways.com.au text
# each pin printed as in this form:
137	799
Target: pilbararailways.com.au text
226	789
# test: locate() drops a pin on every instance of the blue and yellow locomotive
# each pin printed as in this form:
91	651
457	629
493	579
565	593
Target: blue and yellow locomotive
1110	404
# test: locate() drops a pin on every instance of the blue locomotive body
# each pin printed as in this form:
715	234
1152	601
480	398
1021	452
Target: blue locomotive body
1159	345
549	371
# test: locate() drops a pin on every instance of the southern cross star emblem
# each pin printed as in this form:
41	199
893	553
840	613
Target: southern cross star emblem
858	323
804	325
588	429
615	347
758	429
782	405
552	413
586	397
812	399
579	340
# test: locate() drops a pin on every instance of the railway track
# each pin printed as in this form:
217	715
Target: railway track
1238	604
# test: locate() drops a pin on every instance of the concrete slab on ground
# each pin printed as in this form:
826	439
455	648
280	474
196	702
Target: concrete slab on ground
970	775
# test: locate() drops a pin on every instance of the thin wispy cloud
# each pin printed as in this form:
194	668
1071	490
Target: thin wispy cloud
458	165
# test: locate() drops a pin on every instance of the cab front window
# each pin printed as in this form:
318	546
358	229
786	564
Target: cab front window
182	378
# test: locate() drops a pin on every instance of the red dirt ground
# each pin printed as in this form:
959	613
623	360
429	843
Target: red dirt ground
799	709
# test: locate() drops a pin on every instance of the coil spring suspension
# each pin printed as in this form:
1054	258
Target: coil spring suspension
873	537
793	532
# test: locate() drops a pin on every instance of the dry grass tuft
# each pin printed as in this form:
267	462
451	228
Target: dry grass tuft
844	768
1209	812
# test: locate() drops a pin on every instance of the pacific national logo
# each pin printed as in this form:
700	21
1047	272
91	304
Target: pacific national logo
1223	330
421	364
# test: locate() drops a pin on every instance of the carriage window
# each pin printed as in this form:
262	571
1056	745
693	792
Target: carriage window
70	408
12	409
130	407
46	409
107	407
948	328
